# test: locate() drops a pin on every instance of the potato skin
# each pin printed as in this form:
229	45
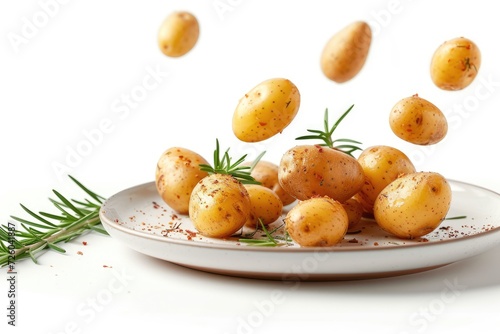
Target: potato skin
413	205
354	211
219	206
317	222
307	171
266	110
178	34
266	173
177	173
265	205
345	54
418	121
381	165
455	64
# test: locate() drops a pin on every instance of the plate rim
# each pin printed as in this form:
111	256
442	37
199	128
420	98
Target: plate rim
334	249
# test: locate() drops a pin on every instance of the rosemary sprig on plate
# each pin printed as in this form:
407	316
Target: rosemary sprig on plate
269	240
46	230
223	165
325	135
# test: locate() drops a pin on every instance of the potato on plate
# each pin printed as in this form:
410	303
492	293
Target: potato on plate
381	165
266	206
317	222
413	205
266	173
307	171
177	173
219	206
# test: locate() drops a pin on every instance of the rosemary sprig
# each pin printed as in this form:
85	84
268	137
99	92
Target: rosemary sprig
223	165
456	217
269	240
45	230
325	135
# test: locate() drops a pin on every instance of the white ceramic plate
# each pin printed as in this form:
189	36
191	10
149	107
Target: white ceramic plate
139	218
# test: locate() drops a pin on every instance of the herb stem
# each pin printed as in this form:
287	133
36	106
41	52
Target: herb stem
42	234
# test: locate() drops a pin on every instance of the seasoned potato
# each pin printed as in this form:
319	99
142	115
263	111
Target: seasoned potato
266	173
219	206
178	34
345	54
381	165
317	222
266	110
413	205
354	211
418	121
307	171
455	64
177	173
265	204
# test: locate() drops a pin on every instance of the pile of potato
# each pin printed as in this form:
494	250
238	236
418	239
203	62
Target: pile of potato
327	191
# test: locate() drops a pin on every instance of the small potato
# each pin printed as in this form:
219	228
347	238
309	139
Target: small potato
219	206
266	110
178	34
413	205
455	64
354	211
266	205
418	121
177	173
307	171
381	165
345	54
317	222
266	173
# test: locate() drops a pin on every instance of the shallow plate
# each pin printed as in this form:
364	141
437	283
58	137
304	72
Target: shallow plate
139	218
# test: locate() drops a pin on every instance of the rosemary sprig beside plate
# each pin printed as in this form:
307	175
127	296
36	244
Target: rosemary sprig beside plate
46	230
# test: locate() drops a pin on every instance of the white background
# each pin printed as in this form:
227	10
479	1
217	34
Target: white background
66	69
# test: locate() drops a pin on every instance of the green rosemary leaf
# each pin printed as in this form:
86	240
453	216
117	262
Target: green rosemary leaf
56	248
32	256
4	235
99	230
3	248
269	236
309	137
456	217
92	194
216	154
60	207
67	203
37	217
347	146
340	119
261	243
269	241
252	241
29	230
87	204
224	166
23	234
256	160
52	216
325	135
347	140
30	223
